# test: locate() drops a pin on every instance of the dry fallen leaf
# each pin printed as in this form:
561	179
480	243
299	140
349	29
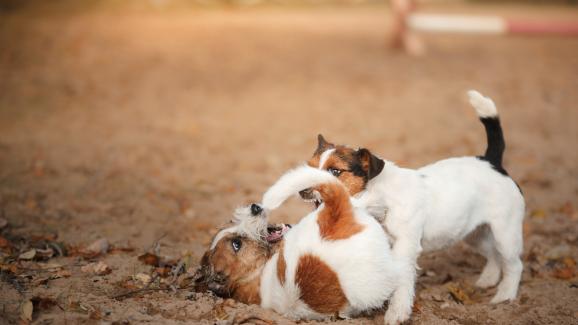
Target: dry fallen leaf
127	283
13	268
437	298
565	273
219	312
44	253
98	247
4	242
538	214
57	275
27	255
149	259
96	314
569	261
143	278
61	274
41	281
3	223
26	311
163	272
459	295
96	268
115	249
78	307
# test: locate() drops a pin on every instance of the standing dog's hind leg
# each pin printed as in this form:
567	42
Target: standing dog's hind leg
509	243
483	240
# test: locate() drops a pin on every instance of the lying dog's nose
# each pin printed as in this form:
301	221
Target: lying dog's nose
256	209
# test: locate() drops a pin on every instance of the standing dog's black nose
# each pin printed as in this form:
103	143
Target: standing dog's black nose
256	209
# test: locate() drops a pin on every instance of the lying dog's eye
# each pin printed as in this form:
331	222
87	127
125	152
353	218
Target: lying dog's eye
236	243
334	171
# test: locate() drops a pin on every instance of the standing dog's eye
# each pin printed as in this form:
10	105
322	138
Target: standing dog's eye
236	243
334	171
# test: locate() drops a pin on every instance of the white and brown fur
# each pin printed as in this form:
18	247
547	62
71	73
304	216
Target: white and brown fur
434	206
335	261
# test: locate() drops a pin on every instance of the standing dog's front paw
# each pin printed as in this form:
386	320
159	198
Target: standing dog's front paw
395	316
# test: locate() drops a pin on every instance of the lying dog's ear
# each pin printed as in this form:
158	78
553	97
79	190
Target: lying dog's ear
207	280
202	274
371	164
322	144
219	285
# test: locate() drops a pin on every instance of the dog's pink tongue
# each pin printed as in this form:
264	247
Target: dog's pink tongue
277	235
274	236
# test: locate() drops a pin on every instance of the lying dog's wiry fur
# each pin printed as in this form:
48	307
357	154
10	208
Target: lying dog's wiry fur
335	261
439	204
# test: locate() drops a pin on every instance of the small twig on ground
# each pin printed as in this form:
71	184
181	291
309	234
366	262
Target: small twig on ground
144	290
176	269
137	291
155	247
148	289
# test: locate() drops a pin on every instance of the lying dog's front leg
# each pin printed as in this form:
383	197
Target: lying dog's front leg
406	250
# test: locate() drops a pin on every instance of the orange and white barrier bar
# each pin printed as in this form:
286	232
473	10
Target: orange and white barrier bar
487	25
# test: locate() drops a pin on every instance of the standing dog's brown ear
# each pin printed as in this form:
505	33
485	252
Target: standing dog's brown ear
322	144
371	164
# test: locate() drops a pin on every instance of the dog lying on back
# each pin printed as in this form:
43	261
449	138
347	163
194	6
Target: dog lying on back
434	206
335	261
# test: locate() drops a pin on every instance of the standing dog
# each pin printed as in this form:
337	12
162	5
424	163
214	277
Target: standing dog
335	261
437	205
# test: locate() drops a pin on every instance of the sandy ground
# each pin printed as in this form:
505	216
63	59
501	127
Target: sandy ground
144	127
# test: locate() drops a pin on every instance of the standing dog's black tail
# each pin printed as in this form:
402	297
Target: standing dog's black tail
488	114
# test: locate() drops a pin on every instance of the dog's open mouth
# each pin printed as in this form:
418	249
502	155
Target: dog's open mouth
309	195
276	232
316	202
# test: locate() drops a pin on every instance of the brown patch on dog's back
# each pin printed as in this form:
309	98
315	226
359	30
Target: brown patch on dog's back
281	265
336	220
319	285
